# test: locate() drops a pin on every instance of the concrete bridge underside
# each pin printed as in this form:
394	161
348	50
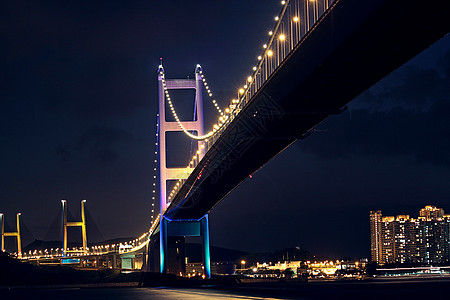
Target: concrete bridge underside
351	48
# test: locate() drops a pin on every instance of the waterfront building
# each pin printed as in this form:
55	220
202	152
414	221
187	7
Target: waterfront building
217	268
402	239
375	235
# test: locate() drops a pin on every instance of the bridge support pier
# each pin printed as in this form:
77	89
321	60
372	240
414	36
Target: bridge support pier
81	224
172	234
204	232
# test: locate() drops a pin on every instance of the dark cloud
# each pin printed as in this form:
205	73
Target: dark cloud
419	88
63	152
397	132
97	144
100	143
407	119
444	64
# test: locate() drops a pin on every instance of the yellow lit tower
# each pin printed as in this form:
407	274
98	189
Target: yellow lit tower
12	234
81	224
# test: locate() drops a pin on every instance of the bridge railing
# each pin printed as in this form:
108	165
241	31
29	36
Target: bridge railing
294	21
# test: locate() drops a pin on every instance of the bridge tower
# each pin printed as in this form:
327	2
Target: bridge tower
81	224
12	233
179	228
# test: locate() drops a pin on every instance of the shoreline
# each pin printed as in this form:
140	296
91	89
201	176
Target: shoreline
246	284
73	286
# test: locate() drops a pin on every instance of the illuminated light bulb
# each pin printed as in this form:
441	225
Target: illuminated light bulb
276	18
227	110
296	19
269	53
270	32
254	68
241	91
245	86
249	79
259	57
281	37
283	2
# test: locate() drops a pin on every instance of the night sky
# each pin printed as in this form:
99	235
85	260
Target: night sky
78	89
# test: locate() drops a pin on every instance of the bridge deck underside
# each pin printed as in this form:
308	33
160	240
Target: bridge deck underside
352	47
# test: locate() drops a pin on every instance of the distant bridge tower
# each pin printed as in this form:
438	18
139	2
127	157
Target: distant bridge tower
12	233
81	224
179	228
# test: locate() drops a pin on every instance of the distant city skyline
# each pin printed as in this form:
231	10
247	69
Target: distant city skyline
403	239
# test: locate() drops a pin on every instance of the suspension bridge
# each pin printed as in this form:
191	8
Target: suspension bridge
319	56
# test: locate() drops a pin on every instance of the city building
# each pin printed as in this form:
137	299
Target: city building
375	235
401	239
217	268
327	268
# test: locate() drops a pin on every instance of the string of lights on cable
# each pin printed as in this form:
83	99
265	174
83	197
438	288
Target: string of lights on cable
209	92
155	163
293	21
224	115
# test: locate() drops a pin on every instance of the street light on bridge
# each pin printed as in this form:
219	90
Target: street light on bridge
242	264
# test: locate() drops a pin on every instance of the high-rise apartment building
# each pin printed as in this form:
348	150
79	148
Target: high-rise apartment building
375	235
403	239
